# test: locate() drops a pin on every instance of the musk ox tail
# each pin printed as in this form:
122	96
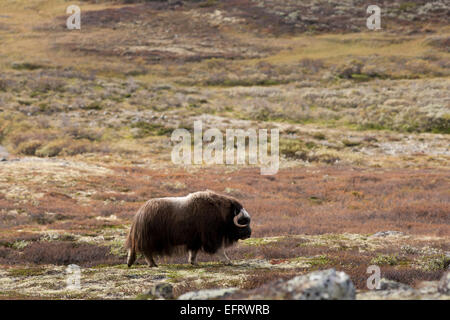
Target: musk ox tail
131	250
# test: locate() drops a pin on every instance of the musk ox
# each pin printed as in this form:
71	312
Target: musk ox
202	220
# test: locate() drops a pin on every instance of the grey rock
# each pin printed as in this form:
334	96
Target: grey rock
162	290
322	285
208	294
386	284
425	288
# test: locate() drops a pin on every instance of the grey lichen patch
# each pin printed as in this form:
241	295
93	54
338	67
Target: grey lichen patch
144	296
344	241
384	259
95	283
318	261
261	241
20	244
175	277
117	247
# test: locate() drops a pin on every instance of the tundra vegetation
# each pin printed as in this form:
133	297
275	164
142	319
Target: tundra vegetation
86	117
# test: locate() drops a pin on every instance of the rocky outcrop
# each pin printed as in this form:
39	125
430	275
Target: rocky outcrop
162	290
319	285
329	285
393	290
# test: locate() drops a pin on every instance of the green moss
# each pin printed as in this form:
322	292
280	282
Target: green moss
29	148
150	129
259	241
316	200
26	272
94	106
360	77
52	149
406	6
334	237
100	266
349	143
291	147
319	136
383	259
207	3
117	248
310	145
173	276
26	66
25	102
319	261
436	262
144	296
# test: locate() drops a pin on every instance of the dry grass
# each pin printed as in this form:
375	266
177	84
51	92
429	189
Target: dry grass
95	108
324	200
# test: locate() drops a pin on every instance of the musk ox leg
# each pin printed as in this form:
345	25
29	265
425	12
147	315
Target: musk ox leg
131	257
193	257
150	261
227	260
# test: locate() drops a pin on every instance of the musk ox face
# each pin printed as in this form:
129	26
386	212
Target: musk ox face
241	221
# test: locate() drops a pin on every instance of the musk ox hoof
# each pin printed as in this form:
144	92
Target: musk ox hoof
150	262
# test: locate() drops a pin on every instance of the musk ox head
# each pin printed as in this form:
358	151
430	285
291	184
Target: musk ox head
241	221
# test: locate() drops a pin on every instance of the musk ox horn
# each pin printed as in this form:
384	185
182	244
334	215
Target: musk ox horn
241	214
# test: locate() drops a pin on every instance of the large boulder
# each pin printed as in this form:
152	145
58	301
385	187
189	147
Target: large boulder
319	285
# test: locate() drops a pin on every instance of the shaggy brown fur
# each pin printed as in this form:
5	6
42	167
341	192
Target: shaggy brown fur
199	221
